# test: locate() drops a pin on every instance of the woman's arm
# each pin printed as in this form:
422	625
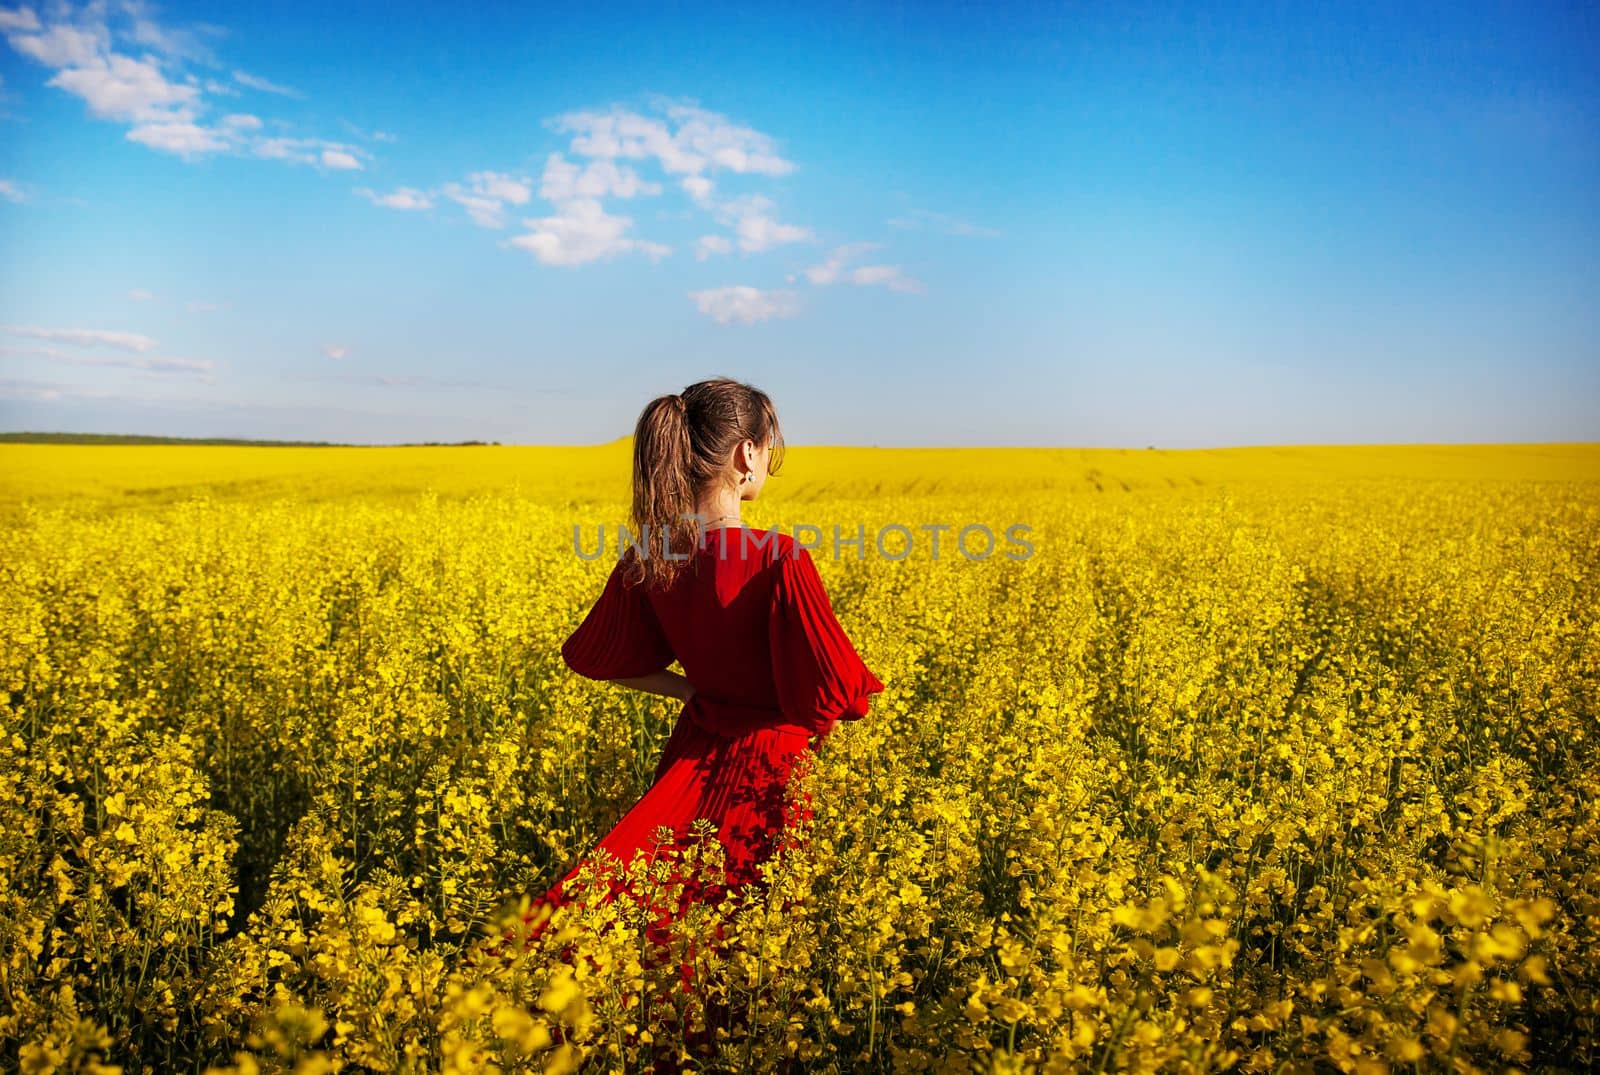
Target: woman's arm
665	682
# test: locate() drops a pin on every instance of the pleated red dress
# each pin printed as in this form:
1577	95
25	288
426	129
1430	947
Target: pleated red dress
753	627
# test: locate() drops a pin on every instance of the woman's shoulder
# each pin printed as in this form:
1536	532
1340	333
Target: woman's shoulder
752	551
775	546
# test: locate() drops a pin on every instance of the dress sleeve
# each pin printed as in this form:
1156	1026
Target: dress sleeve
818	674
620	637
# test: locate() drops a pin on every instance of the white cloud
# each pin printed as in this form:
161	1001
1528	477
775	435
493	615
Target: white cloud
725	144
335	351
828	272
339	159
832	271
485	211
757	231
685	141
754	226
486	198
61	45
85	337
401	198
182	139
699	188
244	78
579	233
119	88
139	294
502	187
20	19
707	245
11	192
128	68
925	219
564	181
621	133
313	151
283	149
703	141
889	276
744	305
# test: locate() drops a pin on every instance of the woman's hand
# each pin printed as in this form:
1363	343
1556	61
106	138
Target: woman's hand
667	683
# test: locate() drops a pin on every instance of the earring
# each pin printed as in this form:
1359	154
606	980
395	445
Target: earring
749	475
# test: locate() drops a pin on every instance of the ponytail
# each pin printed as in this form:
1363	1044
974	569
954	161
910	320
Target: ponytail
663	489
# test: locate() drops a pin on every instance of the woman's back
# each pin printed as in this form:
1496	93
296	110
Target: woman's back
717	615
752	626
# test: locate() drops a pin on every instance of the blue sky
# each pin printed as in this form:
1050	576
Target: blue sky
1096	225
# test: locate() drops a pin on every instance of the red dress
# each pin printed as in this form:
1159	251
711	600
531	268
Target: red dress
755	632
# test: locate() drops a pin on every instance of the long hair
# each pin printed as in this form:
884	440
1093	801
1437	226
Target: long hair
683	447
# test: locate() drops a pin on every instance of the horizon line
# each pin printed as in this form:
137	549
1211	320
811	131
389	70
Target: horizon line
158	440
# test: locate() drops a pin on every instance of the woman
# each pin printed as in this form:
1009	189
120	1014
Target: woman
766	665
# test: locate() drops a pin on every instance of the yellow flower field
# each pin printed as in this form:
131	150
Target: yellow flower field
1266	759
